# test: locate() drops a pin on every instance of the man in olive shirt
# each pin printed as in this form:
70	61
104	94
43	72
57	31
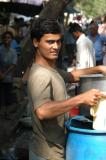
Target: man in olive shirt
47	93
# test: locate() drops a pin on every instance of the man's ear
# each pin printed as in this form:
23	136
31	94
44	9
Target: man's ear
35	43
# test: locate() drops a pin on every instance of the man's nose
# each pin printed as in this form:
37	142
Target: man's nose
55	45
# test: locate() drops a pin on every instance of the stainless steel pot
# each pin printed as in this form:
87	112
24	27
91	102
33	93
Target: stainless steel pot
87	82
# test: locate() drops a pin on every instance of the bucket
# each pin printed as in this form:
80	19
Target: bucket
84	143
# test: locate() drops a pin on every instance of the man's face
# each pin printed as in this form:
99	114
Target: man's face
93	29
48	46
7	39
75	34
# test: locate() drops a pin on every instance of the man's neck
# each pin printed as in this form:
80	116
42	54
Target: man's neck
45	62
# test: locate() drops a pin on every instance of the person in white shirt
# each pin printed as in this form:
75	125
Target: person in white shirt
85	55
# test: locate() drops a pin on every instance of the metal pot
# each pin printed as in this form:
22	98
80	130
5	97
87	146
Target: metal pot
87	82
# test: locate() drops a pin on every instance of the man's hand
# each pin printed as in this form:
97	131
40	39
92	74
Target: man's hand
103	69
92	97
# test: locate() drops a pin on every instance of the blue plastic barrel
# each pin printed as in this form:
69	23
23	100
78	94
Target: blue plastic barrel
84	143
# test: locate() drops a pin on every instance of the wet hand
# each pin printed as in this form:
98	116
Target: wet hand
92	97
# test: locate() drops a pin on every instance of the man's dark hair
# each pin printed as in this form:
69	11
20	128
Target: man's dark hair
74	27
43	26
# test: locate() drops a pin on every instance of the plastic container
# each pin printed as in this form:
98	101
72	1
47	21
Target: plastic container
84	143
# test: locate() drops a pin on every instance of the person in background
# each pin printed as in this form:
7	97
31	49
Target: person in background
102	26
8	61
102	31
70	46
98	42
85	54
15	45
104	54
48	99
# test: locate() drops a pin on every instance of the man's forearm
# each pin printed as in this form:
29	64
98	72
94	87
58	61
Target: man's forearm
92	70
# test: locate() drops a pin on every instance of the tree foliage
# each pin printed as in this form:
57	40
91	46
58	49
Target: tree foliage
92	8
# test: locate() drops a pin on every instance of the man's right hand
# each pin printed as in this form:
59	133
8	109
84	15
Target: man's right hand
92	97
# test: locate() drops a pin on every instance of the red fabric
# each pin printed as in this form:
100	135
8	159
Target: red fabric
74	112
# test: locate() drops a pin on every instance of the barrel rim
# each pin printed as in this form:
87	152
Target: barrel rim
81	130
93	76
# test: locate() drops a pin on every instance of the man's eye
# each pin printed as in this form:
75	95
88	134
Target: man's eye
50	42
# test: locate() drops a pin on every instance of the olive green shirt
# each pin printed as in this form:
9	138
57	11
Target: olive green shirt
48	140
